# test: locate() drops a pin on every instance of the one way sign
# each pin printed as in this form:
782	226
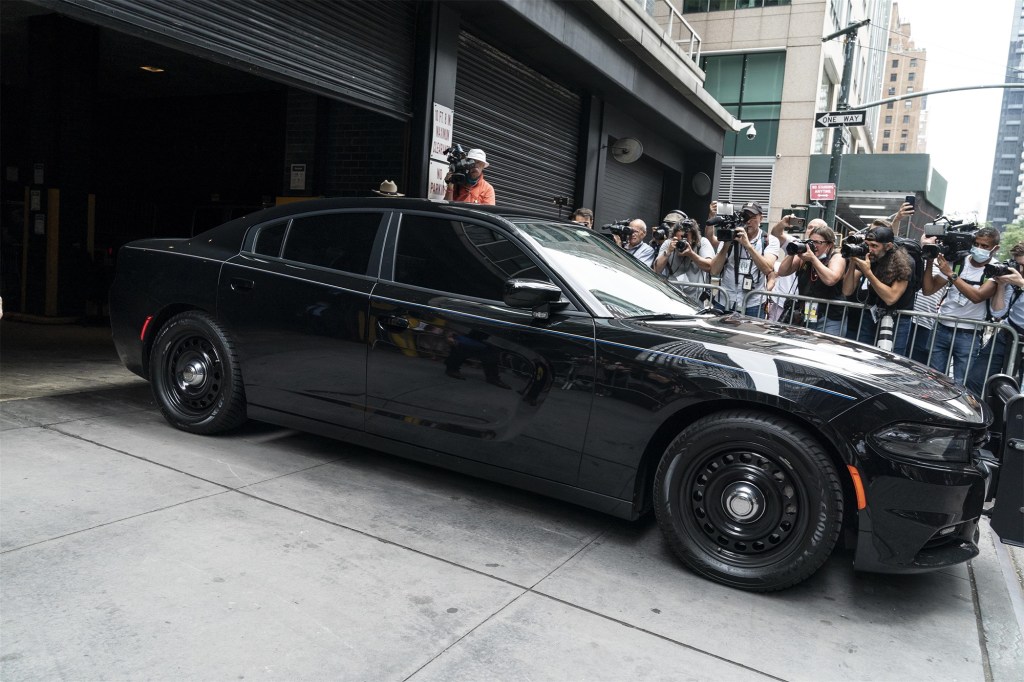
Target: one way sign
834	119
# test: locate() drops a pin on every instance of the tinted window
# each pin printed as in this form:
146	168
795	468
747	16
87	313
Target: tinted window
341	241
459	258
269	238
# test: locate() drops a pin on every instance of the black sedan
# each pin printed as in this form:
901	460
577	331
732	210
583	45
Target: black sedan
538	354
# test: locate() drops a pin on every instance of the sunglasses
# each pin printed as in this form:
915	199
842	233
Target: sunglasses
817	242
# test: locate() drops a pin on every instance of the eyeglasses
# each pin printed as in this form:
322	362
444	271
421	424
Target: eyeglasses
816	242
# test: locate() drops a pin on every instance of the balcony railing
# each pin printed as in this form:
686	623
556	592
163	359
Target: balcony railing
675	28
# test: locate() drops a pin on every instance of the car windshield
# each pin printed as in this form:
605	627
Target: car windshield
595	264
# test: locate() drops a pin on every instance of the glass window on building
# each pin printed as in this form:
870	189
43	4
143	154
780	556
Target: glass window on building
749	86
885	147
892	77
903	134
913	63
906	119
886	133
908	104
892	91
911	76
888	120
895	63
889	105
722	5
903	146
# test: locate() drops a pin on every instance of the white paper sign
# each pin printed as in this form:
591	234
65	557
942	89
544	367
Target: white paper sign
442	136
435	179
298	176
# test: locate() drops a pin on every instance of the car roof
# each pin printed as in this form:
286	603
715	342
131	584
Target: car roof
394	203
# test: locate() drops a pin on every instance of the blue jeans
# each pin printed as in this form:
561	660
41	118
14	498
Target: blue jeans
833	327
956	343
752	311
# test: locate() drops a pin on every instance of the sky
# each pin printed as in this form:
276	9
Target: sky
967	44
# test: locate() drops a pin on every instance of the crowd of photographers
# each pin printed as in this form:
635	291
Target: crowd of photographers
947	284
941	300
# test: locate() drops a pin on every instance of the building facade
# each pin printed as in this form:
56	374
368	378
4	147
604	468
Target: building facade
176	115
766	62
903	125
1006	192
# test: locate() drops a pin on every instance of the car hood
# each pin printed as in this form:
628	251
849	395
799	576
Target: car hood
797	353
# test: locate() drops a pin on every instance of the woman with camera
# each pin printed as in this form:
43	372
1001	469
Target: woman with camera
686	257
819	271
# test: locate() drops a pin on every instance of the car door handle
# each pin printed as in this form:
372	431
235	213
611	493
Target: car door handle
395	322
239	284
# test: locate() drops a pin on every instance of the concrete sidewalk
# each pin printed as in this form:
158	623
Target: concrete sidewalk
131	550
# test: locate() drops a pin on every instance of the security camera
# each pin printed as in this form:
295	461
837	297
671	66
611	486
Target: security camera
751	133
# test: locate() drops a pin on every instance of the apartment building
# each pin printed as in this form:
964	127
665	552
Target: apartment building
766	63
1006	193
902	125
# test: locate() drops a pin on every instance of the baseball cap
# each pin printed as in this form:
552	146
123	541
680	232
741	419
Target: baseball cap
752	207
882	235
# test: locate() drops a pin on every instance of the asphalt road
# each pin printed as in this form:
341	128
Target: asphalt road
130	550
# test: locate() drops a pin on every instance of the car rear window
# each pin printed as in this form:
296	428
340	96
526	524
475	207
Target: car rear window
340	241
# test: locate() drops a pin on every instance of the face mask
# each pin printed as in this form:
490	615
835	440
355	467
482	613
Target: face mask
471	181
980	255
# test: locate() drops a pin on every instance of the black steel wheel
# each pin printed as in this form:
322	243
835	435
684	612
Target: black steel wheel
195	377
749	500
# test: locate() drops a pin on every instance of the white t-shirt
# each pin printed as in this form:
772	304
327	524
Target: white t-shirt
733	283
959	305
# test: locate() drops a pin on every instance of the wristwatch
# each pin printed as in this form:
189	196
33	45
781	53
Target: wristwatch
953	277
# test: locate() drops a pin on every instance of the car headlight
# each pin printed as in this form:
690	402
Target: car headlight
921	441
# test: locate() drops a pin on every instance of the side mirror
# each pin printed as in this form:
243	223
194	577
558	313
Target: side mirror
535	294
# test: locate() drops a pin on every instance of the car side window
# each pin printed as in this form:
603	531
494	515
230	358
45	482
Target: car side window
340	241
269	239
460	258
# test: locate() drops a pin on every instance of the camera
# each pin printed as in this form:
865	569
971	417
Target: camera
954	238
929	251
1000	269
795	247
663	231
620	228
848	250
458	164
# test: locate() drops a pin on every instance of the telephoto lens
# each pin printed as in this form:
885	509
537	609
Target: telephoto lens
885	332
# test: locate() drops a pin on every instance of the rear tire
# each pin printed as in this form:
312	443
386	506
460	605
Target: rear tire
195	375
749	500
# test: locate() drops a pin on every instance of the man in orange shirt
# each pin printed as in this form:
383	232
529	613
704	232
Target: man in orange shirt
474	189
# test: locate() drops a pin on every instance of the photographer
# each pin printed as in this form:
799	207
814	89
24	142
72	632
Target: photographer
880	277
965	298
1007	307
469	186
752	261
819	272
636	247
583	216
686	256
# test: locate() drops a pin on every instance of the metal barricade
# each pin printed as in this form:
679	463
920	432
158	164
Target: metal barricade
709	292
993	347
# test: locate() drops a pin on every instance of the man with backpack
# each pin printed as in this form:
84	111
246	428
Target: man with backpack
966	298
882	280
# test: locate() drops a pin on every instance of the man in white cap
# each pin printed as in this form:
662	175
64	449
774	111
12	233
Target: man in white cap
474	189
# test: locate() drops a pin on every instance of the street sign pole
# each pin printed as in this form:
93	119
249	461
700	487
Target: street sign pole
844	97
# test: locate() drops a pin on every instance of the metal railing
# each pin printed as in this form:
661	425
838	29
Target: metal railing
677	30
912	334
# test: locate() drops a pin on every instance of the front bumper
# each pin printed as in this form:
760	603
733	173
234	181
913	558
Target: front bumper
919	517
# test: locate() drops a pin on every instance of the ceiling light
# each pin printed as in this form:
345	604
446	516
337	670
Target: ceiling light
152	69
869	207
873	217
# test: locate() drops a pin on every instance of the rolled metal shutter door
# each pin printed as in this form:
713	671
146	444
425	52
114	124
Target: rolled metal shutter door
630	190
360	51
528	125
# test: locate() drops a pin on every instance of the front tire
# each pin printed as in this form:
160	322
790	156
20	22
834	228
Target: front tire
195	376
749	500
